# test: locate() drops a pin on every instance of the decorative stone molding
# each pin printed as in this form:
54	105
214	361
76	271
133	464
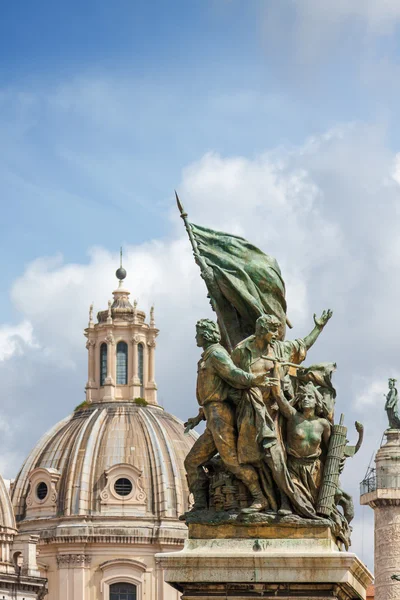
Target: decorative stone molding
110	339
90	343
135	339
136	499
151	343
127	570
46	506
74	561
138	565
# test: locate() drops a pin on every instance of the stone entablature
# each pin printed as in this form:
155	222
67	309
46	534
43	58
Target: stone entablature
115	530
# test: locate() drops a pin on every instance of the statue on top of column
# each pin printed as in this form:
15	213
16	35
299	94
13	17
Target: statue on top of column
391	406
270	451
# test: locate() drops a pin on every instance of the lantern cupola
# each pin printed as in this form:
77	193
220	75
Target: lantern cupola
121	350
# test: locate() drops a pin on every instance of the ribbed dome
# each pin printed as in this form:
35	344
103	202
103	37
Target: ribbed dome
81	450
7	520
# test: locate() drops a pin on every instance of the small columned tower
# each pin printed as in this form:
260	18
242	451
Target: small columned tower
121	347
380	489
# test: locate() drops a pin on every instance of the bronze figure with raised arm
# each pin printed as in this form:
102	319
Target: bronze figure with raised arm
259	432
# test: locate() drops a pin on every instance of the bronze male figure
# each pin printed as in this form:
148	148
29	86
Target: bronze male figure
216	376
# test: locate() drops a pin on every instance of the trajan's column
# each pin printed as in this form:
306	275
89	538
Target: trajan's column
381	491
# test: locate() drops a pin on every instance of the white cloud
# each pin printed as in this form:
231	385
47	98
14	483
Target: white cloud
13	340
378	17
344	42
312	207
396	169
369	393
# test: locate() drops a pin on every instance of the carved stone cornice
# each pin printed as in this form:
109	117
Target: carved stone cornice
76	561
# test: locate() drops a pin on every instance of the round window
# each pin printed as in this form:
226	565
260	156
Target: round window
123	486
41	490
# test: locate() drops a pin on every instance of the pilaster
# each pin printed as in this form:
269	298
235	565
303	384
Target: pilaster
134	382
73	576
91	383
151	387
109	384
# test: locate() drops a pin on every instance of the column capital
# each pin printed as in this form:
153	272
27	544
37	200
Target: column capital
110	339
73	560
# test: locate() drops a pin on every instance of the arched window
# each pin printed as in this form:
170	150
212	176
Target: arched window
103	363
141	368
122	591
122	363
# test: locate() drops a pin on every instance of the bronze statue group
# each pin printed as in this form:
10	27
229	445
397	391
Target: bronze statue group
270	432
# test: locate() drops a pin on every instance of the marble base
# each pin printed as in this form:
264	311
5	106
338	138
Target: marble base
303	568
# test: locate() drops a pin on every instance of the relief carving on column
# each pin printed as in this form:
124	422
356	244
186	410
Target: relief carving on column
135	339
90	344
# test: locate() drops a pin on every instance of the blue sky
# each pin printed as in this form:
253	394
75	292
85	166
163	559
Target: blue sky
160	84
274	120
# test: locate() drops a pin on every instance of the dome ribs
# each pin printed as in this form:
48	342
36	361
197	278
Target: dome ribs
83	447
21	484
71	490
92	463
56	451
164	471
148	458
180	445
82	502
176	489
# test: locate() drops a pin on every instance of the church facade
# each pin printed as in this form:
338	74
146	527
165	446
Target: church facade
103	490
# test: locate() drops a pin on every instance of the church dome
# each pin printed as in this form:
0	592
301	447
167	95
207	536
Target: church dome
7	530
7	521
107	460
114	470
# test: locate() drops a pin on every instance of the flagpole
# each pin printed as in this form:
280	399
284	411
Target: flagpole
206	272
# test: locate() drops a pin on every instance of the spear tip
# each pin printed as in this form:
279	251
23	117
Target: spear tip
180	205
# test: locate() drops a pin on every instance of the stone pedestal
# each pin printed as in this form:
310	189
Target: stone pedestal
282	564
